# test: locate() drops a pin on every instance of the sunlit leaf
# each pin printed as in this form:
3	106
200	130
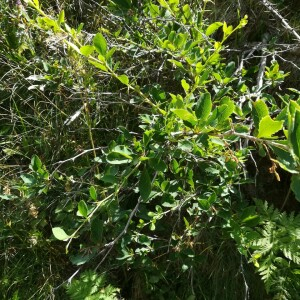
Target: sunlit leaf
60	234
100	44
213	27
267	127
185	115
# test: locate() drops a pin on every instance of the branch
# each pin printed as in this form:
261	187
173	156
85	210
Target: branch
269	6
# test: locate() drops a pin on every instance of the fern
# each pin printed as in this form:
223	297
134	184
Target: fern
276	251
91	286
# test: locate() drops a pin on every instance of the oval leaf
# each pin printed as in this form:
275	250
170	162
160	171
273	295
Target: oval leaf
93	193
124	79
203	107
145	185
100	44
60	234
213	27
82	208
185	115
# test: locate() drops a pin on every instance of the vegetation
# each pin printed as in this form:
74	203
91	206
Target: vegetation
150	150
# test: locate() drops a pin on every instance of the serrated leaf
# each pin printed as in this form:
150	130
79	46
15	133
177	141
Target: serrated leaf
213	27
93	193
203	107
145	185
124	79
60	234
267	127
100	44
82	208
185	115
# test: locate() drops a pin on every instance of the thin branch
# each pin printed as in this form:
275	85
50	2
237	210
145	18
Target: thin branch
78	155
270	7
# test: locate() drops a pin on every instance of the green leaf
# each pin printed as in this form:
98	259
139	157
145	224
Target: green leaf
124	79
224	111
98	65
82	208
93	193
125	4
28	179
87	50
203	107
185	115
158	164
294	133
295	185
213	27
100	44
145	185
260	110
60	234
97	230
185	85
61	17
267	127
36	163
285	160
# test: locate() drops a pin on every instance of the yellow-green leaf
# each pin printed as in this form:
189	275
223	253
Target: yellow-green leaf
267	127
185	115
100	44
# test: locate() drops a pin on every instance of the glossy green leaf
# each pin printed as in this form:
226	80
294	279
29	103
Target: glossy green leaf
60	234
100	44
285	160
185	85
224	111
213	27
203	107
93	193
36	163
268	127
145	185
260	110
185	115
124	79
82	208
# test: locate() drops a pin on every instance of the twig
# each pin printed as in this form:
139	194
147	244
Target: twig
78	155
269	6
124	231
262	67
